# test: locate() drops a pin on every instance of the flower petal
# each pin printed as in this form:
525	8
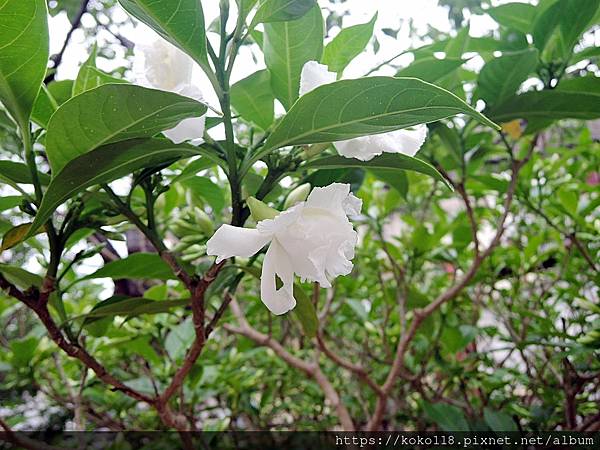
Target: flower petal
277	262
187	130
407	141
314	75
333	198
361	148
231	241
352	205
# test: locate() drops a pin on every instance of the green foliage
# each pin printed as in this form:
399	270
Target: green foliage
287	47
476	261
24	47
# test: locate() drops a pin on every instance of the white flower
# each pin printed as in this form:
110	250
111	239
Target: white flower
406	141
313	239
160	65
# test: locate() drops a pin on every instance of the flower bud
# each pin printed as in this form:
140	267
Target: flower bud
298	195
260	211
204	222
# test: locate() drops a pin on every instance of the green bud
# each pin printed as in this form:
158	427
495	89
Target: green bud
297	195
204	222
315	149
260	211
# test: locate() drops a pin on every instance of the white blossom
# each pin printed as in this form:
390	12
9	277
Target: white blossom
160	65
313	239
406	141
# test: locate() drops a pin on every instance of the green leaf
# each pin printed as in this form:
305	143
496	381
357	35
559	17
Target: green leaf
557	29
431	69
501	77
281	10
44	107
394	178
253	99
90	77
111	113
567	101
499	421
351	108
180	22
305	312
387	161
20	277
104	165
208	190
61	90
19	173
347	45
447	417
10	201
138	266
287	46
24	350
23	55
519	16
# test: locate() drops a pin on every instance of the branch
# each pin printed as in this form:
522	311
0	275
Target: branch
75	23
22	442
198	344
313	370
421	314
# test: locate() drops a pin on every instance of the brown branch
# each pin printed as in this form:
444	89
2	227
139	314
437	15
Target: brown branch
198	313
313	370
421	314
358	370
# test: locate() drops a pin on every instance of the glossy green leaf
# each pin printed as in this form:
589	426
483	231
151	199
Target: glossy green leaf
19	173
253	99
10	201
110	113
106	164
23	55
305	312
287	46
387	161
501	77
347	45
45	105
20	277
90	76
181	22
519	16
351	108
138	266
558	28
431	69
565	102
281	10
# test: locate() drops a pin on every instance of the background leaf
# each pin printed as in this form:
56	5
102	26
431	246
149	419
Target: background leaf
253	99
139	266
347	45
281	10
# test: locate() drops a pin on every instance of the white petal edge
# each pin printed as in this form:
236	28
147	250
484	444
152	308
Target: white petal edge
314	75
229	241
277	262
330	198
407	141
187	130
